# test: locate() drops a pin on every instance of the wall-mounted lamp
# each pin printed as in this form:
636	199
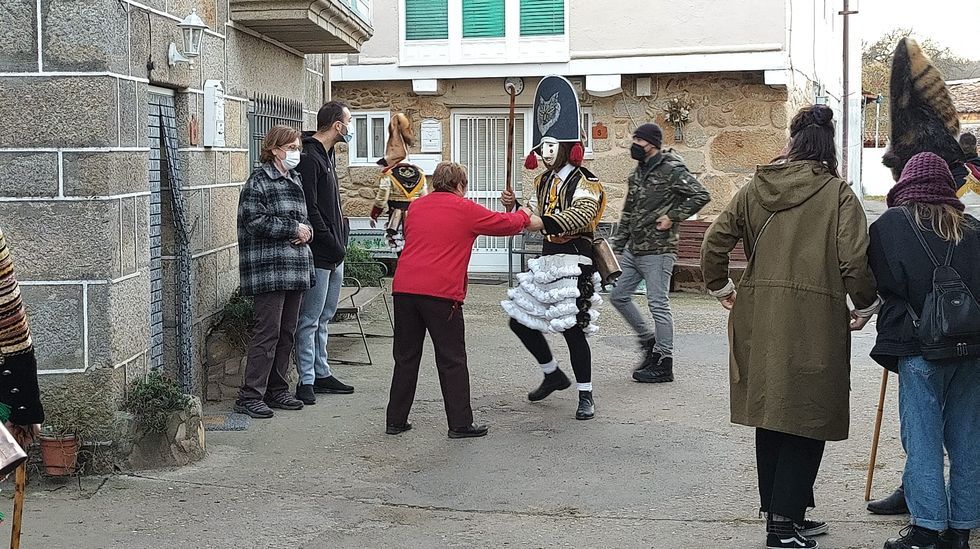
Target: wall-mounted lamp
192	28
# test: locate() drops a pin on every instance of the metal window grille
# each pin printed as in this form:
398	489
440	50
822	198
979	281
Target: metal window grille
265	112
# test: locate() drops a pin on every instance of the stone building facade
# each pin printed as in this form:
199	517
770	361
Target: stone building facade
121	221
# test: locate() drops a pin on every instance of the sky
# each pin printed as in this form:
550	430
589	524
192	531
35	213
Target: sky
952	23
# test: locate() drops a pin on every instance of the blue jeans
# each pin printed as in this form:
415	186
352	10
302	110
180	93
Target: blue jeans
939	406
319	306
656	270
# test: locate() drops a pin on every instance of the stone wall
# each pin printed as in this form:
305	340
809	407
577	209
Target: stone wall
737	123
75	152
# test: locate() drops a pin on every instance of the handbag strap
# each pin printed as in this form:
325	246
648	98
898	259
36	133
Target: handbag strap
916	321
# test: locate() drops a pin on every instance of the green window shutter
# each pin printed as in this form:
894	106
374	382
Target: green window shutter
542	17
483	18
426	19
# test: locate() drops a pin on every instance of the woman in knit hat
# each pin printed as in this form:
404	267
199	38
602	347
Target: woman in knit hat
939	402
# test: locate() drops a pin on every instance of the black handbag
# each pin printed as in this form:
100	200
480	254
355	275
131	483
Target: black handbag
949	327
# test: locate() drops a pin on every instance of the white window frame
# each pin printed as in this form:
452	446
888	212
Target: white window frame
587	121
372	157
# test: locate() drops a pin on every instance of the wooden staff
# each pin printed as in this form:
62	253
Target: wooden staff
20	484
512	91
877	434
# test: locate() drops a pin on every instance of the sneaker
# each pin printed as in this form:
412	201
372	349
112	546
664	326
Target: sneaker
283	401
331	385
555	381
661	371
955	539
811	528
785	535
915	537
253	408
305	393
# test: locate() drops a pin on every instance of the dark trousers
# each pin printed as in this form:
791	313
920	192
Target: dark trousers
276	315
788	466
443	319
579	351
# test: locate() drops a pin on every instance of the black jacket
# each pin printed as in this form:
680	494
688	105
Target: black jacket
904	275
317	166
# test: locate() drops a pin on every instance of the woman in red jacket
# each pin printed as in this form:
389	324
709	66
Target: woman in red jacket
429	288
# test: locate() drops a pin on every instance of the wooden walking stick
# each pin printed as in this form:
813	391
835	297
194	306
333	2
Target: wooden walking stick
874	440
513	87
20	485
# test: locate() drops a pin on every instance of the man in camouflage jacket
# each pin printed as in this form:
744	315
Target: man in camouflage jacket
662	193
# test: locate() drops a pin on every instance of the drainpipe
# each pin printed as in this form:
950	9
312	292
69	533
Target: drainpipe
847	88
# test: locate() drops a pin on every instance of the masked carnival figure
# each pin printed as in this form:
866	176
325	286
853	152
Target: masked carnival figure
558	294
400	183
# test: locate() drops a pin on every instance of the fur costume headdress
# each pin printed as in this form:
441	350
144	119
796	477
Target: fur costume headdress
400	138
923	117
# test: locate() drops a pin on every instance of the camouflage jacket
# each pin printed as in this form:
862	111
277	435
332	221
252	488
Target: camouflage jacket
660	186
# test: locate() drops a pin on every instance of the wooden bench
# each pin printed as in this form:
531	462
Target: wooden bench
354	298
687	269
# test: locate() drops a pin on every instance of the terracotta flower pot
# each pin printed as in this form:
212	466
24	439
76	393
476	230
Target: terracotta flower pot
59	454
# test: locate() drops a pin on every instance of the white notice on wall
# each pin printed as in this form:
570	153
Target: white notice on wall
431	136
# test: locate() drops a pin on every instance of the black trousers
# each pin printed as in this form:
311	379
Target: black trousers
578	348
443	319
787	466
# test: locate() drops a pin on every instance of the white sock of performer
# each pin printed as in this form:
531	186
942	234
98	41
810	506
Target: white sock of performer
549	367
585	386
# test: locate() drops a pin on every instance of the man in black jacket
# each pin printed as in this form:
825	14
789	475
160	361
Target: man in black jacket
318	169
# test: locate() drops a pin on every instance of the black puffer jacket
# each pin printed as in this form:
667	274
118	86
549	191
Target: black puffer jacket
318	166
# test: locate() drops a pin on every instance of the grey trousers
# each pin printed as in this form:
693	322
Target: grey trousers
266	370
656	270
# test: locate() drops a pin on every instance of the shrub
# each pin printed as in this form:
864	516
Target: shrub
153	399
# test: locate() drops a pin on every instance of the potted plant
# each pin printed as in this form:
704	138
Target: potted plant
153	400
73	415
168	428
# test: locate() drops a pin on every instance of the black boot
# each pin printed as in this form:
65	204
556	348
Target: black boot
891	505
586	405
649	355
915	537
555	381
661	371
955	539
782	534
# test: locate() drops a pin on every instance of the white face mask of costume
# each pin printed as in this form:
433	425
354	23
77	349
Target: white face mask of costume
549	150
291	160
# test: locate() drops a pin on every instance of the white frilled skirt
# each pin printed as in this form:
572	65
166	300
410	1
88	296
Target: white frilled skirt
556	294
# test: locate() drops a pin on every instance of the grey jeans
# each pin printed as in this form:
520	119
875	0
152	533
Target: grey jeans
656	270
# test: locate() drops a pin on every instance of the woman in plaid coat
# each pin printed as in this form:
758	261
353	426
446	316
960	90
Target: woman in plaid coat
276	267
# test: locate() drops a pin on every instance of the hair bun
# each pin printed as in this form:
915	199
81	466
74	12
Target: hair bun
822	115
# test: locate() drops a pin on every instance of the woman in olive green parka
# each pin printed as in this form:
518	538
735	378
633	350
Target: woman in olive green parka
806	236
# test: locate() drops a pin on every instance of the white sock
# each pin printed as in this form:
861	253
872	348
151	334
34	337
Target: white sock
585	386
549	367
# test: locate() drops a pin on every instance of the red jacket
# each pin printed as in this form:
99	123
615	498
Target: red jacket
440	229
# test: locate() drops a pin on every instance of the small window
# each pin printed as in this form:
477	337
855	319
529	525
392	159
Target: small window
542	17
370	131
426	19
483	18
587	129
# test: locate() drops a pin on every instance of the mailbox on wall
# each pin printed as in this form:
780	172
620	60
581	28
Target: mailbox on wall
214	114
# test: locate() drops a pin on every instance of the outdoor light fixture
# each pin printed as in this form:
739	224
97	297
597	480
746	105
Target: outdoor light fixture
192	28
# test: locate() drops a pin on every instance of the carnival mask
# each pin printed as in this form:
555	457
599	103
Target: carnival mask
549	150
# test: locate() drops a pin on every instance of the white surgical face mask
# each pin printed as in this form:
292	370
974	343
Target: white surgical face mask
291	160
346	136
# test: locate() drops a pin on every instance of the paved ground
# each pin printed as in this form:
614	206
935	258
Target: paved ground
660	466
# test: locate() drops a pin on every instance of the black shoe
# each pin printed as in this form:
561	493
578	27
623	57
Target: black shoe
398	429
784	535
555	381
649	355
586	405
914	537
253	408
891	505
304	393
469	431
331	385
955	539
811	528
661	371
283	401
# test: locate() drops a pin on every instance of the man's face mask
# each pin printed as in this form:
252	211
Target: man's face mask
549	151
346	136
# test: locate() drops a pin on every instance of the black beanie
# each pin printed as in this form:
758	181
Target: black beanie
651	133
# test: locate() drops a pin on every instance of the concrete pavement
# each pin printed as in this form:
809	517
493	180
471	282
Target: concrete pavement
660	466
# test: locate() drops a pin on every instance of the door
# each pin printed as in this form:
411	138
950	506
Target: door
480	144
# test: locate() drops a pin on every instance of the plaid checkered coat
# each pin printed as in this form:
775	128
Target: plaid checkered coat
270	209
